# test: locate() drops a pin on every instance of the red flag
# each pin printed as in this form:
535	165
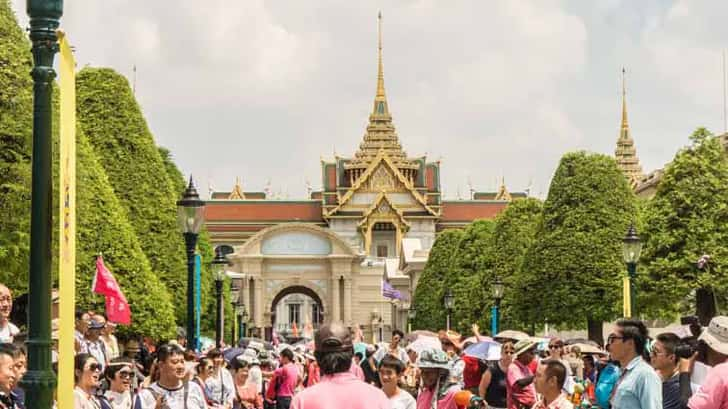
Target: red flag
117	310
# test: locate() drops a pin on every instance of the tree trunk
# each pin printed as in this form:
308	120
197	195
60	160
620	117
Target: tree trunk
704	305
595	330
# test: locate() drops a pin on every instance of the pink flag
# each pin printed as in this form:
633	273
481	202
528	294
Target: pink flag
117	308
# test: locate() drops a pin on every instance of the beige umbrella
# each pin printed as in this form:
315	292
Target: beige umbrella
510	334
589	349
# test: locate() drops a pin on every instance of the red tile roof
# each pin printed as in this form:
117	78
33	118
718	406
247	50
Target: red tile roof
278	211
466	210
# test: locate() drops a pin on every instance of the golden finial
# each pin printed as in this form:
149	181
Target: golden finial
625	124
237	193
380	101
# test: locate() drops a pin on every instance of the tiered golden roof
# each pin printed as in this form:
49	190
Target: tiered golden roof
380	134
626	153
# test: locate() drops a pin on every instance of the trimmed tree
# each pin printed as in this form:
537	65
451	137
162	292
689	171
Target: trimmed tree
575	268
686	219
16	119
111	118
515	233
430	287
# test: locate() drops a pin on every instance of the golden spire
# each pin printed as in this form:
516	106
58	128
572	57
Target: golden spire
237	193
380	100
626	153
503	193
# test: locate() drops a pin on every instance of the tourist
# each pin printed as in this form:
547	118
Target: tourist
393	348
556	352
246	394
169	391
664	360
369	367
356	368
287	377
109	339
313	375
119	373
87	370
549	383
82	320
713	393
639	386
338	387
590	369
92	343
519	378
8	378
8	330
390	371
576	364
220	382
132	350
492	386
255	373
203	370
438	389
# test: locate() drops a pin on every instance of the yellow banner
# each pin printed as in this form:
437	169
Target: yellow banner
67	227
627	305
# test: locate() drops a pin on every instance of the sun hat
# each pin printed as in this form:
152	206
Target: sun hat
96	324
522	346
256	345
433	358
716	335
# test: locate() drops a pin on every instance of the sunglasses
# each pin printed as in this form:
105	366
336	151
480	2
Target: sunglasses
124	374
94	367
508	352
555	346
612	337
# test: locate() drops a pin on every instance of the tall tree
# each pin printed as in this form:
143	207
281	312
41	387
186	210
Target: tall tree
515	233
430	288
577	258
16	110
112	119
686	219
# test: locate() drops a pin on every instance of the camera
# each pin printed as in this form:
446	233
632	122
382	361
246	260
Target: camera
689	345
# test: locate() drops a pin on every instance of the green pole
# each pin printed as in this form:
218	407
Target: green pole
632	271
40	380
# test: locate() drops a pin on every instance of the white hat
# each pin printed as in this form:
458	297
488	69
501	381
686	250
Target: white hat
716	335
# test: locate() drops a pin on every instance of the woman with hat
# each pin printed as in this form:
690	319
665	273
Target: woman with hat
119	374
438	390
246	394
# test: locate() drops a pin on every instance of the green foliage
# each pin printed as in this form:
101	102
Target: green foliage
574	270
102	226
430	288
687	217
16	110
111	118
471	278
515	233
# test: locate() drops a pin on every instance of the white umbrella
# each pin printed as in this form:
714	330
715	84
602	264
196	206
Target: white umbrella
423	343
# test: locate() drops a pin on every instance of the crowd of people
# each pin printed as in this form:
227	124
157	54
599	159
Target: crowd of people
420	370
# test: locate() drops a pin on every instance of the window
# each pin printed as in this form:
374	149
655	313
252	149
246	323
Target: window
294	314
382	250
315	313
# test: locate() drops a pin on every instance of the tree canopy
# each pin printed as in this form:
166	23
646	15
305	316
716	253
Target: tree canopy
575	266
686	219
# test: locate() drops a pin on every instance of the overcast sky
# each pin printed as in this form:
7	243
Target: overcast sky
263	89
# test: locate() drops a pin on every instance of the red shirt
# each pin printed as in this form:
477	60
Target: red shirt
288	375
472	372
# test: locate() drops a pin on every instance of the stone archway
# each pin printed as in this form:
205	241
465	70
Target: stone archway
315	316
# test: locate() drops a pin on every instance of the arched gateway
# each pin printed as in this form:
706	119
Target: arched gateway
301	258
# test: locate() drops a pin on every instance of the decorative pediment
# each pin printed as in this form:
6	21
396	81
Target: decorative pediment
382	209
382	176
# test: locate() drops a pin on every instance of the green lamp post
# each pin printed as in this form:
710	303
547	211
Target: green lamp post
219	264
40	381
190	216
631	250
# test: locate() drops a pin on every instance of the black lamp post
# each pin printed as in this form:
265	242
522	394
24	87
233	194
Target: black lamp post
411	314
234	294
498	288
190	215
448	300
631	250
244	321
40	381
219	264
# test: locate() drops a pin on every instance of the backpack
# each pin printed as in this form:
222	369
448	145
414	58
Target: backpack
607	379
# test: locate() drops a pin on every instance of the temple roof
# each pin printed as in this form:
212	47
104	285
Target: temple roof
626	153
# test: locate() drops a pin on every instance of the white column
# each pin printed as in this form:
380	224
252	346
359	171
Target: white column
258	302
347	301
335	312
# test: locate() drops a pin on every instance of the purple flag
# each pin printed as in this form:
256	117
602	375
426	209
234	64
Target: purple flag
389	292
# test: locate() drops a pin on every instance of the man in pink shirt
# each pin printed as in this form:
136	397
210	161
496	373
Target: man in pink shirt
520	391
287	378
339	388
713	394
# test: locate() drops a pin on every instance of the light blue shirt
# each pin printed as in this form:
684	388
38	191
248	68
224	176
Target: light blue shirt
639	388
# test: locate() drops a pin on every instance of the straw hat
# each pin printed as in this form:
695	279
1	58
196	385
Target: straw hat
522	346
716	335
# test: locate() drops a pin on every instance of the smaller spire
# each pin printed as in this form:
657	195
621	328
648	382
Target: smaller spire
625	124
625	152
237	193
503	193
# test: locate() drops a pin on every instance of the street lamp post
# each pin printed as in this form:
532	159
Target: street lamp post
219	264
411	314
498	288
190	215
40	381
234	294
244	321
448	300
631	250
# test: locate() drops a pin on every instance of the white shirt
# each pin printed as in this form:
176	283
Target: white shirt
401	354
403	400
8	333
255	375
221	387
119	400
174	398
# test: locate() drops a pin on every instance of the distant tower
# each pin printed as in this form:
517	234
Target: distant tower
626	153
